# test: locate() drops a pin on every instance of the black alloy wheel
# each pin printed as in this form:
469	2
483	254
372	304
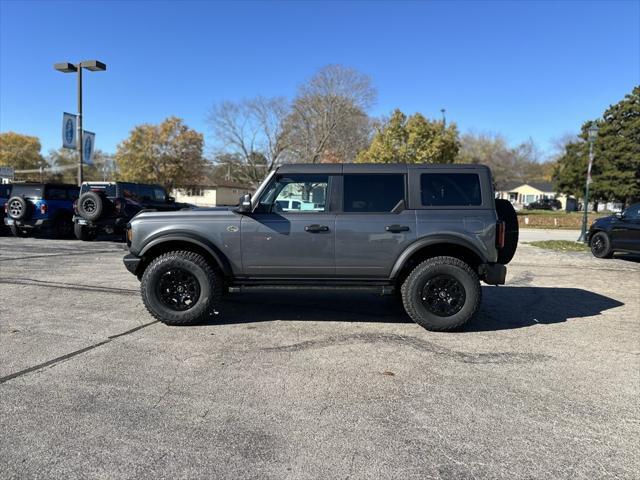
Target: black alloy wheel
178	289
89	205
443	295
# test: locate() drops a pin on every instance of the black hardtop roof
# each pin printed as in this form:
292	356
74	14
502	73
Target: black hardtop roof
43	184
97	182
338	168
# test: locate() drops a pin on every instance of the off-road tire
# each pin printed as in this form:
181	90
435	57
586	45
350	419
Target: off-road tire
84	233
63	226
20	232
600	245
95	200
209	279
24	208
412	290
507	214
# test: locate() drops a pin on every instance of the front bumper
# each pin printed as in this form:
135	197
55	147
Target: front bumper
37	223
132	263
493	273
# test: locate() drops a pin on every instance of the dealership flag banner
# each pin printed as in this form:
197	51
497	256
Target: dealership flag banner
69	122
88	139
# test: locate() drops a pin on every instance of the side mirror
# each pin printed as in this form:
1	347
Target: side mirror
619	215
244	205
171	199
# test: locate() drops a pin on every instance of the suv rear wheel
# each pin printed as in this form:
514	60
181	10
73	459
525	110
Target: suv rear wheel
20	232
84	233
181	288
441	293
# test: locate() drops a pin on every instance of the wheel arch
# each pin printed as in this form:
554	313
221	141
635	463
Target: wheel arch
435	246
167	243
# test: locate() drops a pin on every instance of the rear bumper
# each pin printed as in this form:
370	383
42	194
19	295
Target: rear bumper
493	273
37	223
118	222
132	263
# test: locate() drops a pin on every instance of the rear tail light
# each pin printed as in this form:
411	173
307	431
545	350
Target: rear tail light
6	208
118	205
500	234
43	208
75	206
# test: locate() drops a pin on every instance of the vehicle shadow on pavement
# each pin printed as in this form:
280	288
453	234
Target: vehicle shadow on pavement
628	257
330	306
505	308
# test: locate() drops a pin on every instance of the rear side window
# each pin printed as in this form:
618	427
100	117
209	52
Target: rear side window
72	193
28	191
150	193
450	189
372	193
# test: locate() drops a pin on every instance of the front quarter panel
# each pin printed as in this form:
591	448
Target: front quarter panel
217	228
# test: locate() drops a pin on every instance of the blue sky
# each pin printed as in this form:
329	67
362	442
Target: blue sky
522	69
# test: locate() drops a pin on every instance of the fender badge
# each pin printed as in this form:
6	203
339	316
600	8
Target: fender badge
232	228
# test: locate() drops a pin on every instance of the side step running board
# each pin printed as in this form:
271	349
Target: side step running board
379	289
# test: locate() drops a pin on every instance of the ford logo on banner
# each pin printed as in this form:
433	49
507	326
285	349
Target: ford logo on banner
88	139
69	130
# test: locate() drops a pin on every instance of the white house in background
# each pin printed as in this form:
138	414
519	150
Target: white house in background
522	194
211	194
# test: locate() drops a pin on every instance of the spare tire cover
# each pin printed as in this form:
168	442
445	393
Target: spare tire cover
507	214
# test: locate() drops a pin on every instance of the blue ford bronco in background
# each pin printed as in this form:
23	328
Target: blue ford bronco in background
36	206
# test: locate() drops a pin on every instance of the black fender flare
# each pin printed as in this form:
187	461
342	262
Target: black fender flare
188	237
433	240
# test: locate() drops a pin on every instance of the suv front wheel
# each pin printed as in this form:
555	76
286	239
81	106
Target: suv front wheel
181	288
441	293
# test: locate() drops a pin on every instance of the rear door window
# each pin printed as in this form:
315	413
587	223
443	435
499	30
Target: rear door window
450	189
56	193
372	193
130	191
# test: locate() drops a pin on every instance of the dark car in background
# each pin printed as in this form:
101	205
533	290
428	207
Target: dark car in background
616	233
545	204
108	206
5	193
40	206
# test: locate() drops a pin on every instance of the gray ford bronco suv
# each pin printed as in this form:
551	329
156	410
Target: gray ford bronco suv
428	232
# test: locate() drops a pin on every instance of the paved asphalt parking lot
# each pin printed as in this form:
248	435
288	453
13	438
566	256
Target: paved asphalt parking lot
544	383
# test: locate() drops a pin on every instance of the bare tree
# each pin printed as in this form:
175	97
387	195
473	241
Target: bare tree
328	118
249	134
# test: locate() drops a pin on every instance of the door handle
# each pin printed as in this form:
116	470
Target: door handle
396	228
316	228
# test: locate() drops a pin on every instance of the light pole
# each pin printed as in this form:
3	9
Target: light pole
592	134
65	67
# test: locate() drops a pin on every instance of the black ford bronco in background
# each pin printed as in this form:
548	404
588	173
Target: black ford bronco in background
431	232
108	206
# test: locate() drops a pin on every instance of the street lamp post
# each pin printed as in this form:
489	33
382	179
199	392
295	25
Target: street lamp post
65	67
592	132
